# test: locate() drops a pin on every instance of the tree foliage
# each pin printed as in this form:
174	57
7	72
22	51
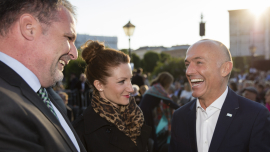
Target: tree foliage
125	51
175	66
164	57
136	60
150	61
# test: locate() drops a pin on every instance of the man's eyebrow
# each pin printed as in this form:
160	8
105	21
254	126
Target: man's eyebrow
196	58
71	35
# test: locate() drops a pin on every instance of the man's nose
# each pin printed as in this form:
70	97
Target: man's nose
73	53
190	69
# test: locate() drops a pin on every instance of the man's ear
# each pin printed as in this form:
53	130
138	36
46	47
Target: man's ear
98	85
226	68
29	26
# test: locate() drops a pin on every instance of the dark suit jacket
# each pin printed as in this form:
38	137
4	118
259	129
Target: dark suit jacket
26	124
248	130
99	135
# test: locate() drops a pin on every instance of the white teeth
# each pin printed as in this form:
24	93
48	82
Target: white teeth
62	62
196	80
194	85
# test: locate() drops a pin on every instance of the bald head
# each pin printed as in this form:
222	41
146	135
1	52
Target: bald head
217	48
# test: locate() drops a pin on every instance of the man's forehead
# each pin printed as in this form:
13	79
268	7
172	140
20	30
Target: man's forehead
202	50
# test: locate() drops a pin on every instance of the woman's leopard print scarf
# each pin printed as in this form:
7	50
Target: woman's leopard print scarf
128	119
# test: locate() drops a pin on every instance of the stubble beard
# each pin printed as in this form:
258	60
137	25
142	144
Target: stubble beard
56	75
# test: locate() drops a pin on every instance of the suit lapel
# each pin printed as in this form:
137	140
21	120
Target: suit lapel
63	132
191	119
230	106
15	80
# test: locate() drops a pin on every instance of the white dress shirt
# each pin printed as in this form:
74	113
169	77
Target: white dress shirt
30	78
206	121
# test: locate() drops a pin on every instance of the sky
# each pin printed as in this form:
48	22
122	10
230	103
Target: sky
159	22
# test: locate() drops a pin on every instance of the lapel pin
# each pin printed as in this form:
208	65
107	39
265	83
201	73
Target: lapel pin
229	115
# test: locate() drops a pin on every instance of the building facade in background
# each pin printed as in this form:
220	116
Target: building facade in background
249	33
178	51
109	41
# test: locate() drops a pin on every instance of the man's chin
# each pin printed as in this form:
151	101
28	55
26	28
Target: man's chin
57	78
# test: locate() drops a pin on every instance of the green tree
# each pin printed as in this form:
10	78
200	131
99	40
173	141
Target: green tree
164	57
150	60
125	51
175	66
136	60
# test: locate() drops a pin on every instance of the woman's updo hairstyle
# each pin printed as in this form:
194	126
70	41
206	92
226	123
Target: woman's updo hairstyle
101	60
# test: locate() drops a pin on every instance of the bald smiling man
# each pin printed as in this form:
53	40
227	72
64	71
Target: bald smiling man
219	120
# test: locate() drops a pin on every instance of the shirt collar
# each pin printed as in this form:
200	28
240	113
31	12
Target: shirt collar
28	76
218	102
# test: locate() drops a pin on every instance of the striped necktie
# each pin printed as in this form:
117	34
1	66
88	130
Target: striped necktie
42	93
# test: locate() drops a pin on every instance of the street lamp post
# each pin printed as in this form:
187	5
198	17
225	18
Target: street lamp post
202	27
129	30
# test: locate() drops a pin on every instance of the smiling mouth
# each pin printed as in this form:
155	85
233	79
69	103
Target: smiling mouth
196	82
127	96
62	62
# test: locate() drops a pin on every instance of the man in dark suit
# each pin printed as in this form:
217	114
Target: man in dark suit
82	88
37	41
219	120
138	78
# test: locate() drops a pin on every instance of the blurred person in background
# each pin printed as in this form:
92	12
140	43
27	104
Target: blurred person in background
250	93
59	87
72	81
171	94
136	94
261	93
267	100
186	94
138	79
145	79
157	108
82	88
267	86
177	90
113	122
64	97
245	84
143	89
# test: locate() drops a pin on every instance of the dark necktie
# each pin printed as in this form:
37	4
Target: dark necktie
42	93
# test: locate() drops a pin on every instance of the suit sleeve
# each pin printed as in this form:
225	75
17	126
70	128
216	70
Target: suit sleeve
260	135
17	133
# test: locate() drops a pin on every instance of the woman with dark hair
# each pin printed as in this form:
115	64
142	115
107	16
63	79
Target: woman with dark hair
157	108
113	122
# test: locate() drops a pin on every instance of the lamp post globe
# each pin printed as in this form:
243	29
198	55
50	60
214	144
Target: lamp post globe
129	30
